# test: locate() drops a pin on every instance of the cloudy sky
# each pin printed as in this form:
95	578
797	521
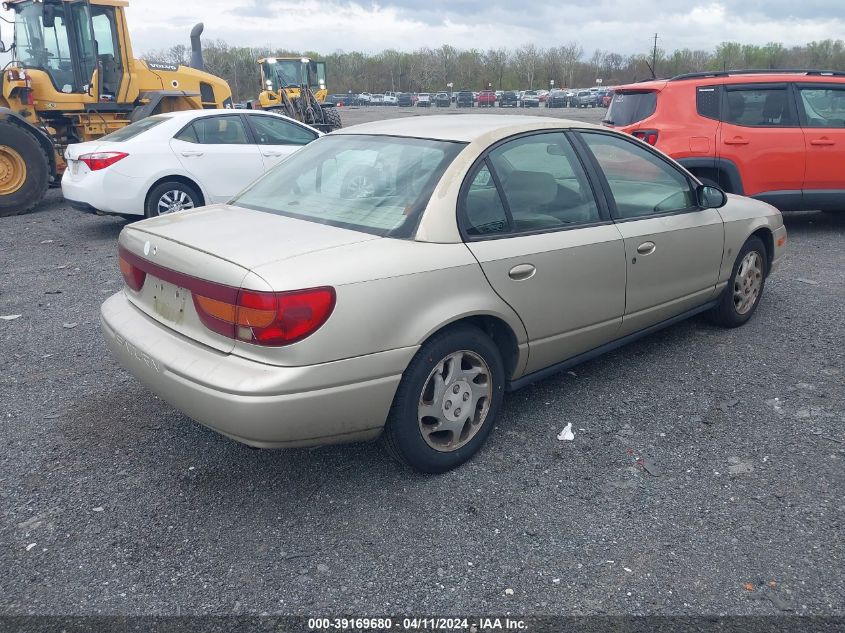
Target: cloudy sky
623	26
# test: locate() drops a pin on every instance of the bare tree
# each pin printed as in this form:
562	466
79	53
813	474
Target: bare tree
527	59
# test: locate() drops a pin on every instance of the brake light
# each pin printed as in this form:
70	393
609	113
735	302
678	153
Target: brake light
133	275
271	319
646	136
101	160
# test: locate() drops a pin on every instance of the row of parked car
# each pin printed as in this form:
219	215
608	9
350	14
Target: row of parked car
585	98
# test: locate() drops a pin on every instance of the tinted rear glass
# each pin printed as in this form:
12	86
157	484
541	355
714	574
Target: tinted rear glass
707	101
374	184
134	129
629	107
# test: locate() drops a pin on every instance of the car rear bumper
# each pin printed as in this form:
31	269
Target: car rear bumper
107	191
260	405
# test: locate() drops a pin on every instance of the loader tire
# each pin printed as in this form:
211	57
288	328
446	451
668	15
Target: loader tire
332	117
24	170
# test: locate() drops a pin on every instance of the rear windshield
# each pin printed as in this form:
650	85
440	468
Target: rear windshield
629	107
374	184
134	129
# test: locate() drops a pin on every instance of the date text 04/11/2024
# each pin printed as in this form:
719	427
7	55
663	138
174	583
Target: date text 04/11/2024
413	624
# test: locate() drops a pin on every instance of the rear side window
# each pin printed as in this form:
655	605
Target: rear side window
753	106
707	101
484	212
630	107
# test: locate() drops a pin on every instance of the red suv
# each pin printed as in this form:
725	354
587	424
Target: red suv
778	136
486	99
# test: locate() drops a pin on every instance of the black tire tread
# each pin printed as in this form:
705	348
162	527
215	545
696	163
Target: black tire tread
10	130
389	438
724	314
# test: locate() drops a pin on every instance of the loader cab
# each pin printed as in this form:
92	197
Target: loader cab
69	40
281	73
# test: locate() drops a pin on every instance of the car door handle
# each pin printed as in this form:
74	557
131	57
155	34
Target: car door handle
822	141
646	248
192	154
522	272
272	154
737	140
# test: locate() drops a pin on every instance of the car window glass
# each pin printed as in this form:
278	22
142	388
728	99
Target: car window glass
271	130
220	130
188	135
543	183
642	184
824	107
761	107
484	213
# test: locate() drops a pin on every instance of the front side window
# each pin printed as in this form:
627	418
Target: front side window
823	106
758	107
271	130
642	184
543	183
220	130
375	184
45	44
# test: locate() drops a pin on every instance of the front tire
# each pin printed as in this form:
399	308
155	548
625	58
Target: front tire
24	170
741	297
447	402
171	196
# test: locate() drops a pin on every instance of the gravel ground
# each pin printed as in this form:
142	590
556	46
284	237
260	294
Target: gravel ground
706	475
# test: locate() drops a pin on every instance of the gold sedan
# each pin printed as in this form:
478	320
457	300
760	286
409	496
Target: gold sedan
395	279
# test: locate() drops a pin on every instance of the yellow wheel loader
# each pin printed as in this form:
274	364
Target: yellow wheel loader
296	87
73	78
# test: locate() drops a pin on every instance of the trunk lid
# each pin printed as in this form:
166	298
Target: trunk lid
245	237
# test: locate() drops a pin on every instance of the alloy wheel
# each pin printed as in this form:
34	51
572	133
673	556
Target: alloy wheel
173	201
748	282
455	401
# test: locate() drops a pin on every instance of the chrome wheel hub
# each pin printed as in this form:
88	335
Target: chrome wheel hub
455	401
173	201
748	282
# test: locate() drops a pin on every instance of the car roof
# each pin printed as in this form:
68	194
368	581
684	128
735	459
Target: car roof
739	77
463	127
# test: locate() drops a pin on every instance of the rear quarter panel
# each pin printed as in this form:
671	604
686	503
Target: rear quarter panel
391	294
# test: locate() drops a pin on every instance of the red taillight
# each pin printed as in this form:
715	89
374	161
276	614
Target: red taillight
133	275
646	136
267	318
27	97
271	319
101	160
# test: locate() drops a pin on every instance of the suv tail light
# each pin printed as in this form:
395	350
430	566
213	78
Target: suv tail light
646	136
271	319
101	160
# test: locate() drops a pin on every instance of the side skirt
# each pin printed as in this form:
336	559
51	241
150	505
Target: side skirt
542	374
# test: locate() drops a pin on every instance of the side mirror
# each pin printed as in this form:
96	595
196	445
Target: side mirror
710	197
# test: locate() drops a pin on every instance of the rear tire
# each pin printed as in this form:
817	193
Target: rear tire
741	296
24	170
457	366
174	194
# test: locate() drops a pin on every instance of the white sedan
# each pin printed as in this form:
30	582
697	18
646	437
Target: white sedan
179	160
